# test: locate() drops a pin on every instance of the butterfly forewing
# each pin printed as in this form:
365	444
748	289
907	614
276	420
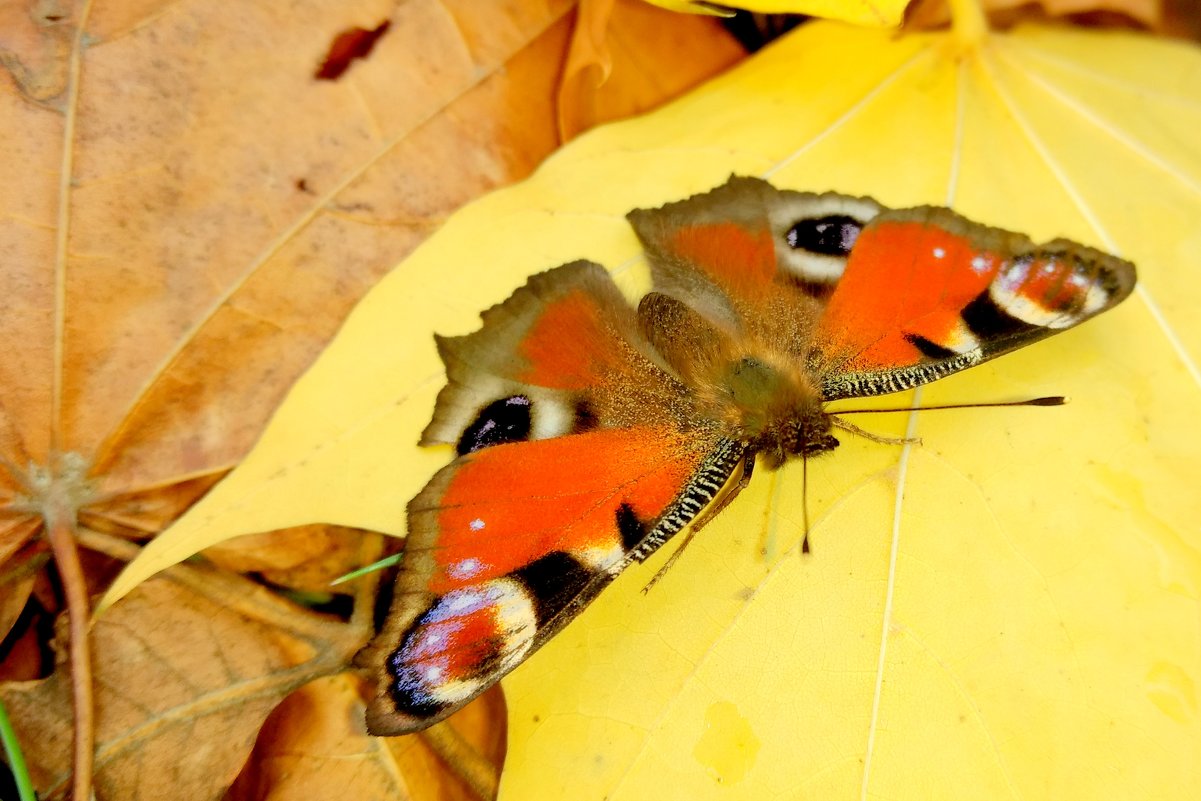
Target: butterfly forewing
927	293
573	461
543	363
730	252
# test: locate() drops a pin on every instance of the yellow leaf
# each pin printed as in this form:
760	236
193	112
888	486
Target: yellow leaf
878	13
1011	607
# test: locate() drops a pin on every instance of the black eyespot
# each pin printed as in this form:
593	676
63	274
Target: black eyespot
505	420
829	236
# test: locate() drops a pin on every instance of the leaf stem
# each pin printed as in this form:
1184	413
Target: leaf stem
387	561
59	532
16	760
969	26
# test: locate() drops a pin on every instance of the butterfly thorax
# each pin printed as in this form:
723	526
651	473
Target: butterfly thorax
743	380
775	409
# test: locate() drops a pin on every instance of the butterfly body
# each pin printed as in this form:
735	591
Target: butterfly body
589	431
750	390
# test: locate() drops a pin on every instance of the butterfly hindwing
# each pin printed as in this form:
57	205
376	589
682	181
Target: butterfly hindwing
506	544
727	250
543	363
927	293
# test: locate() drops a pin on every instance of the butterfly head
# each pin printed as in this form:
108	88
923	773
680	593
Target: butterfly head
806	434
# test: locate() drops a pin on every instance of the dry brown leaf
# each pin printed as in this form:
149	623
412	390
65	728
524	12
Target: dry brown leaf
305	558
196	198
186	671
589	63
24	654
222	209
612	39
14	592
315	746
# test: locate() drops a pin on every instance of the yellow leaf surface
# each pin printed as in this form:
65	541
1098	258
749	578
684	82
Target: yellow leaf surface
1011	607
881	13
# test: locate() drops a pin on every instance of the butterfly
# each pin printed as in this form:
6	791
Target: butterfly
589	431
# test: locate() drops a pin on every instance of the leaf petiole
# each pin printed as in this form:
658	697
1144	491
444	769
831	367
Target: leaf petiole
371	568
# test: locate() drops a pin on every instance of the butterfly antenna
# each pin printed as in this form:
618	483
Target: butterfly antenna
835	416
851	428
1049	400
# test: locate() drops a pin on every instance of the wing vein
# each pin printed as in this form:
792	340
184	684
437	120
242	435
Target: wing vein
877	693
851	112
1106	126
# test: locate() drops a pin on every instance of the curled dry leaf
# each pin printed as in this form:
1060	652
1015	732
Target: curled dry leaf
186	671
608	38
306	558
315	745
14	592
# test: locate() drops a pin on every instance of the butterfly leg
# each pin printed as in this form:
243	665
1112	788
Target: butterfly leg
860	432
744	480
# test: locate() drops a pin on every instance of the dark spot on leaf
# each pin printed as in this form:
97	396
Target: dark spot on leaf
349	45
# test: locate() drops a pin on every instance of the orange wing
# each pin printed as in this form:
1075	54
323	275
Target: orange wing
927	292
577	454
731	253
543	363
508	543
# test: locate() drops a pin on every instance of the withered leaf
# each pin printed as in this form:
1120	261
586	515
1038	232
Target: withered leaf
187	668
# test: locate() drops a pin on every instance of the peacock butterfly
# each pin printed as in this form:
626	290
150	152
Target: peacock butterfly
590	432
